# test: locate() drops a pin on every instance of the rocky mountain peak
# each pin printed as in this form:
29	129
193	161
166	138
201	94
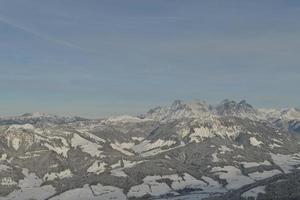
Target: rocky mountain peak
230	107
176	105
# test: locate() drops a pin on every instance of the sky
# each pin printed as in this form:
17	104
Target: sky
96	58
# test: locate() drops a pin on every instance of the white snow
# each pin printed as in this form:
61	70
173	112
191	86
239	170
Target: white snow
22	126
255	142
274	145
61	150
285	114
277	141
123	147
16	143
266	113
158	150
3	157
97	167
183	132
117	170
31	189
138	138
60	175
216	129
233	176
224	149
200	133
7	181
92	136
147	145
150	186
215	157
186	181
126	119
139	190
86	146
213	186
290	114
29	155
108	192
95	192
50	143
238	146
264	174
78	193
128	163
146	148
255	164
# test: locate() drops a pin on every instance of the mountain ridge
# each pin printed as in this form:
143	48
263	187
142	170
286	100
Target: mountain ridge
185	150
225	107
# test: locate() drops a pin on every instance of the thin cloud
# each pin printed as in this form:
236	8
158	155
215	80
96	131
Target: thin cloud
38	34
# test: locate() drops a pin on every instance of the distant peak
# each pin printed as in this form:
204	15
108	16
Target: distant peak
35	115
177	104
243	102
227	101
230	107
127	118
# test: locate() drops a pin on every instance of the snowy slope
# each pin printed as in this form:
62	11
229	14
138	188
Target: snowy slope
189	151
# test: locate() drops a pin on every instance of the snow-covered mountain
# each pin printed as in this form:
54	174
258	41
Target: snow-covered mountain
288	118
182	151
38	118
198	109
178	110
286	114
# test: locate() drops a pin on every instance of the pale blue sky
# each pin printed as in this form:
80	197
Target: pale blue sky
107	57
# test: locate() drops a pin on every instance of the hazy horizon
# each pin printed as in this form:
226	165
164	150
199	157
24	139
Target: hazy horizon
147	108
105	58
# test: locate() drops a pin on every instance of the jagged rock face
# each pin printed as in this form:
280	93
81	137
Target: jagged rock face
178	110
287	119
187	151
232	108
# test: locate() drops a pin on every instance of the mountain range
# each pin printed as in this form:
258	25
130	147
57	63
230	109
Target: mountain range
183	151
